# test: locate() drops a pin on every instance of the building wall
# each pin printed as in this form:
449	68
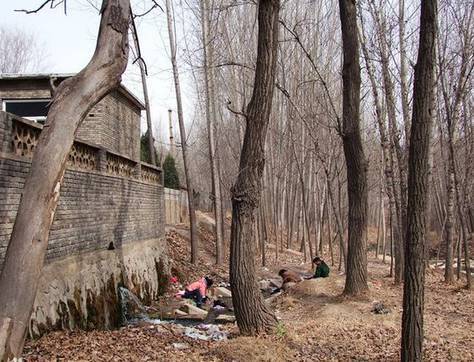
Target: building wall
109	207
120	125
113	123
176	206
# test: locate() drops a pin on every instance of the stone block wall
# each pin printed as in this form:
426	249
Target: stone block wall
108	229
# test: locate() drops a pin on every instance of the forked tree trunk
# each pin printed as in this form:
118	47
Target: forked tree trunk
418	171
72	101
252	314
182	132
210	116
356	163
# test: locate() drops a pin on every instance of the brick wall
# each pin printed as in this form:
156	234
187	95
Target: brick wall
104	198
113	123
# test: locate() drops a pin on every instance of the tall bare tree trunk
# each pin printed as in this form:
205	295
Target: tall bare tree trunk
394	140
418	177
210	115
182	132
72	101
448	271
356	163
252	314
403	71
141	64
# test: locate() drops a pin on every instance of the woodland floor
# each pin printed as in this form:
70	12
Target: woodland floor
316	322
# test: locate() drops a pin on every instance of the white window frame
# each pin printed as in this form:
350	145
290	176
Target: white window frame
39	119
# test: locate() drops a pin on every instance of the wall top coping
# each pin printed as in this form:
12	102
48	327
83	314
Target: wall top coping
61	76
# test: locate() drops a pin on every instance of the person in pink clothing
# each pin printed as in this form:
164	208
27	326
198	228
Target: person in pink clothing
197	290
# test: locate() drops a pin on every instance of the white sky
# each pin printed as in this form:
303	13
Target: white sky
69	41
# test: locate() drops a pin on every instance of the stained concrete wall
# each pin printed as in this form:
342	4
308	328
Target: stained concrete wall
81	291
106	202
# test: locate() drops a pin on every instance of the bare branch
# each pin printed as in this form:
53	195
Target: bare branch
321	79
137	42
234	64
38	9
234	111
155	5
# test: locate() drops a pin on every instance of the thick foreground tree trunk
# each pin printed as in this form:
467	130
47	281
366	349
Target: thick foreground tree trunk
182	132
252	314
72	101
356	163
418	172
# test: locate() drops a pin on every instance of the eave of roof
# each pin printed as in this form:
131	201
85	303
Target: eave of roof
20	76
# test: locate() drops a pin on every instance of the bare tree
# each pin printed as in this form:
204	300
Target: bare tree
20	51
143	71
252	314
72	101
356	163
418	171
211	113
182	131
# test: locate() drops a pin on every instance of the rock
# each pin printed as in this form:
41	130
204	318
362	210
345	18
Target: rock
264	284
276	282
178	312
288	286
195	311
222	292
205	221
380	308
225	318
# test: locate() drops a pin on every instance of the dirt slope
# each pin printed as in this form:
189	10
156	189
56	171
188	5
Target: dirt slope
316	322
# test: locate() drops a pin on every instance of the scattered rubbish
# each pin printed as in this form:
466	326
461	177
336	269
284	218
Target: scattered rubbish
195	334
206	332
223	285
180	346
157	321
218	313
380	308
269	287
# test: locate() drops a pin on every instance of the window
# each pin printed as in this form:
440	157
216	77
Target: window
32	109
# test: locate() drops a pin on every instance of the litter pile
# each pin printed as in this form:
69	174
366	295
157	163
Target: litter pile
181	316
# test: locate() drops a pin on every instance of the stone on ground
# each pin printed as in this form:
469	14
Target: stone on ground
222	292
193	310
